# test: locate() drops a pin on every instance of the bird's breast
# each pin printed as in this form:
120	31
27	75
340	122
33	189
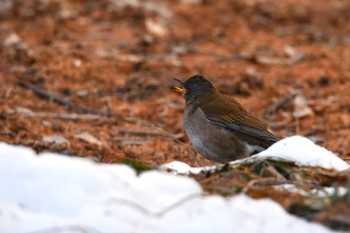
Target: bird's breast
196	126
213	142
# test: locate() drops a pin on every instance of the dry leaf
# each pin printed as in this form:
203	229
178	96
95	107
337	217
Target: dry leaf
155	27
55	139
301	107
87	137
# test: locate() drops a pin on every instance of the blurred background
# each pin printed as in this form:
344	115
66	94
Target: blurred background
95	78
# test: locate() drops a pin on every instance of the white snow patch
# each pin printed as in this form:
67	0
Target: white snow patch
303	152
178	167
324	192
297	149
55	193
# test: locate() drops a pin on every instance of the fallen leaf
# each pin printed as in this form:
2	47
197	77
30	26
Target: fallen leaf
87	137
301	107
155	27
55	139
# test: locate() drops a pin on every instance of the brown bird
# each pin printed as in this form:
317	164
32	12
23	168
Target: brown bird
218	126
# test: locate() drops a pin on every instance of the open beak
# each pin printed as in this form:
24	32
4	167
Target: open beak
179	89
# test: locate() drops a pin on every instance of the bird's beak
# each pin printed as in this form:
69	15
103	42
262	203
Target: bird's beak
179	89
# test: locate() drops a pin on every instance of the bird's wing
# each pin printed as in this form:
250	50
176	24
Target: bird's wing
230	114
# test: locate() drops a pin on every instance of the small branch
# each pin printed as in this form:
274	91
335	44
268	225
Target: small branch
43	93
163	132
261	181
128	141
270	181
143	133
280	103
272	171
52	97
61	116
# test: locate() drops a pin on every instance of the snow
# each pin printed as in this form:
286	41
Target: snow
55	193
178	167
324	192
304	152
297	149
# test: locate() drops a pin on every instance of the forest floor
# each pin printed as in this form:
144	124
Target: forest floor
95	79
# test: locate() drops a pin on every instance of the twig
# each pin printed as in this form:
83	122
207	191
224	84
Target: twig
261	181
141	133
62	116
164	133
130	141
280	103
268	181
272	171
43	93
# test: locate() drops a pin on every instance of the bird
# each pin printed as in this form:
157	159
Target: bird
218	126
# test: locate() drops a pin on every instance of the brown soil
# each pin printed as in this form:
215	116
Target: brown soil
108	58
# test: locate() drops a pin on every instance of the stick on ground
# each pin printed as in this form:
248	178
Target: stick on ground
280	103
45	94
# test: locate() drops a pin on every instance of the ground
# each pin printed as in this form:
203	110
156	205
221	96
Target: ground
100	74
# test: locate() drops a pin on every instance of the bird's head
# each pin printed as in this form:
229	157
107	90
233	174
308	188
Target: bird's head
196	88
